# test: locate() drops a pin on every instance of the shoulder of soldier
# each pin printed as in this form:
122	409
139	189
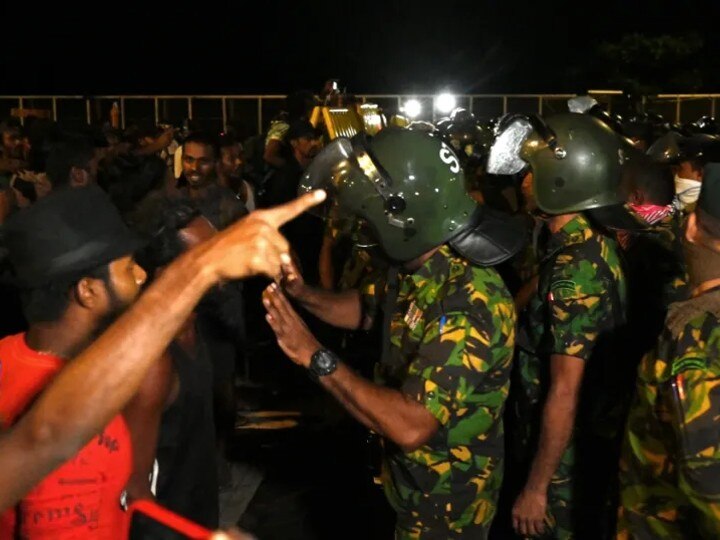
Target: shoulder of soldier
693	328
476	292
577	268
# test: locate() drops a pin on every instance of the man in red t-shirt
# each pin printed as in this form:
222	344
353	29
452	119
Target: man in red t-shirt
72	256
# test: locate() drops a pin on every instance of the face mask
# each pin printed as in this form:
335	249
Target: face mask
687	191
652	213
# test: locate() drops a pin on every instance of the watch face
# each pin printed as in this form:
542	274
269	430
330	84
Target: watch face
323	363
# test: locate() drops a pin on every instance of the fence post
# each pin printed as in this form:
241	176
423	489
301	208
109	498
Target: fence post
504	104
156	110
190	111
260	119
540	105
224	114
88	111
122	112
54	109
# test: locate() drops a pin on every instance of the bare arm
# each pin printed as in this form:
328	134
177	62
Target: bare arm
159	144
11	165
342	309
558	420
143	415
325	264
388	412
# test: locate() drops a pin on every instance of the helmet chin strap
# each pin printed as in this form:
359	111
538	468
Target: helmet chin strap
394	202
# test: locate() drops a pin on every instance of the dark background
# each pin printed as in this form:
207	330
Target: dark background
374	46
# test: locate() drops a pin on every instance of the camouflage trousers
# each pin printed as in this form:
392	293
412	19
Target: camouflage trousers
443	519
418	532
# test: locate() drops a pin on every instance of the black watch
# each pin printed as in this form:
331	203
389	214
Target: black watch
323	363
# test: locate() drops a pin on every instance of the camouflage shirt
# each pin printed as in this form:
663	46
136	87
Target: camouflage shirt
452	335
578	311
670	465
580	300
277	132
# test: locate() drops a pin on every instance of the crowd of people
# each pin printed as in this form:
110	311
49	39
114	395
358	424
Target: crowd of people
525	315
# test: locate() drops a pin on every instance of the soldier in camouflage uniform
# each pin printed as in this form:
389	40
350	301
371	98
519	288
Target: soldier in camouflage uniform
569	407
670	466
452	334
443	377
654	256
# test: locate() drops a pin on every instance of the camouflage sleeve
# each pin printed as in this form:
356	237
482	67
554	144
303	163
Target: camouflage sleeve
459	360
372	293
579	306
277	132
695	394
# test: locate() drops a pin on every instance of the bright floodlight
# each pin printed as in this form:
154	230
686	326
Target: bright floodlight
412	108
445	103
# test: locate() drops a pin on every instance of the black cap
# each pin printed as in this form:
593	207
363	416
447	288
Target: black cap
709	201
302	129
67	232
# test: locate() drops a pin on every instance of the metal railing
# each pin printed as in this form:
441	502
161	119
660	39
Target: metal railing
254	112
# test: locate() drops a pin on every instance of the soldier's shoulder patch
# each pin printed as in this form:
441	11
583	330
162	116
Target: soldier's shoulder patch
562	288
688	363
413	316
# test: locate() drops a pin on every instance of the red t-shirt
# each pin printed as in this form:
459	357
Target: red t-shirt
80	499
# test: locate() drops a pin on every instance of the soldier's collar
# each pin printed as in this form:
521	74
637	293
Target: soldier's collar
443	264
575	231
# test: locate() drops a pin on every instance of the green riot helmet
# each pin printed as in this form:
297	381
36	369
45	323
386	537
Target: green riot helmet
576	160
673	148
409	188
461	115
466	136
421	125
668	149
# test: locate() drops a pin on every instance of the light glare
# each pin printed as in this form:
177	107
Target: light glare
445	103
412	108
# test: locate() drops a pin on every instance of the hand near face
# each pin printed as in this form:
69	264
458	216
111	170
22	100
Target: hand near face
293	335
254	245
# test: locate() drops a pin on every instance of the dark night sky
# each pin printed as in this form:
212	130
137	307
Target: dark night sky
373	47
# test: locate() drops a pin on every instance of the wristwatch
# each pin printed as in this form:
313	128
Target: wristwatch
323	363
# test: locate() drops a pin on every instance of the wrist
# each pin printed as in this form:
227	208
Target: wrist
302	294
536	488
306	356
204	264
323	363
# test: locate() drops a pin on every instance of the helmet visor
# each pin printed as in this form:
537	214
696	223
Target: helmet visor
329	170
348	174
504	158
